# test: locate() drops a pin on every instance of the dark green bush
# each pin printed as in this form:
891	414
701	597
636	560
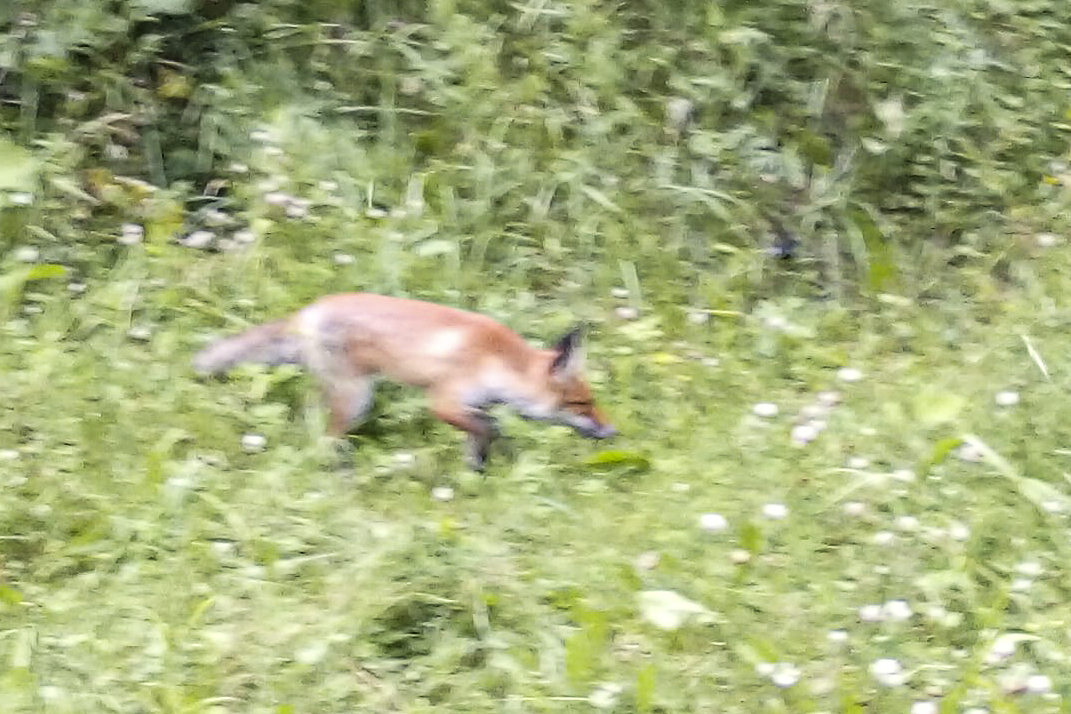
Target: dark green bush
890	137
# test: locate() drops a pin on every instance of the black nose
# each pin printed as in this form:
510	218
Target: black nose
604	432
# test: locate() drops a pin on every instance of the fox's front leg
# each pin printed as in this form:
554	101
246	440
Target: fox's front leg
480	426
480	445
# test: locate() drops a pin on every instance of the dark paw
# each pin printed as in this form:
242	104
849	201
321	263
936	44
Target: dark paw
490	424
477	456
477	462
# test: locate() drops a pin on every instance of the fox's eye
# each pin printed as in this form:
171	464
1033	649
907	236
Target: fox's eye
578	403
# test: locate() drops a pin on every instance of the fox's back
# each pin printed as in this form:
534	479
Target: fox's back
411	340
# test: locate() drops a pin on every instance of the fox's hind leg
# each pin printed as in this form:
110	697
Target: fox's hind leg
348	402
347	388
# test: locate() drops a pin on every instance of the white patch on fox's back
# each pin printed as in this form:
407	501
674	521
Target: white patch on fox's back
445	342
308	320
307	325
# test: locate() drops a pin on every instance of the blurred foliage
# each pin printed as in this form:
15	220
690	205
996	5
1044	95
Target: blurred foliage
685	178
878	136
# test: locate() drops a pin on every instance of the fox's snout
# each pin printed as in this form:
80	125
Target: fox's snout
594	427
602	431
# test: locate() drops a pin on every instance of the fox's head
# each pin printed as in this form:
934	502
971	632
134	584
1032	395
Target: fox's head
573	403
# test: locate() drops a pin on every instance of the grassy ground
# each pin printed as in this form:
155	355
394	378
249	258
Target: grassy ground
151	563
841	481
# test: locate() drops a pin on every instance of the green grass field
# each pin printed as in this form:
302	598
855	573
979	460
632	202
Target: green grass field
152	564
841	479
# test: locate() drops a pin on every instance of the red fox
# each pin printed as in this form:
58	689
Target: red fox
465	361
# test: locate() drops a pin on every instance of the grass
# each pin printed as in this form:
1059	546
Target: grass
153	564
891	539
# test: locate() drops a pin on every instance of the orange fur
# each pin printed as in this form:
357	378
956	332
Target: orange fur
465	361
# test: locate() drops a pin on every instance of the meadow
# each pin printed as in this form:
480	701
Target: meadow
821	250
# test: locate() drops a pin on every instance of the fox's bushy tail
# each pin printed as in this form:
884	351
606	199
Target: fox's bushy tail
272	343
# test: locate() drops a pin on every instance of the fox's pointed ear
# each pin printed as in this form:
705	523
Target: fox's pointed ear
568	353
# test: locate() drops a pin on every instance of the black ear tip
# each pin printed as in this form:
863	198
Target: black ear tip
569	340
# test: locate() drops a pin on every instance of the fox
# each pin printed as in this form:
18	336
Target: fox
465	362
